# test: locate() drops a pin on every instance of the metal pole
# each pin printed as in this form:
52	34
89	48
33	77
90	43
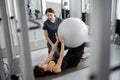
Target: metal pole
12	25
6	34
2	73
25	48
100	21
2	76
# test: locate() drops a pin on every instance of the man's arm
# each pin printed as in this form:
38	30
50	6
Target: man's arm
54	47
57	67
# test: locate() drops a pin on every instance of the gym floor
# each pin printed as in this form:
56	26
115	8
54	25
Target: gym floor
81	72
77	73
70	74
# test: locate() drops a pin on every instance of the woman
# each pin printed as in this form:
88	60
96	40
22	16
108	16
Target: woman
50	30
71	59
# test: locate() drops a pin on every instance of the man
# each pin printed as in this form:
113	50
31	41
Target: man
71	59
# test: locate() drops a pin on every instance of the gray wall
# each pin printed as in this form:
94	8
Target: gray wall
75	8
118	9
55	6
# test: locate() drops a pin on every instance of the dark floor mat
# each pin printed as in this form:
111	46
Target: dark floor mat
50	76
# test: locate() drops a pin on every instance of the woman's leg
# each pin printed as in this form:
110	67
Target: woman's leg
74	55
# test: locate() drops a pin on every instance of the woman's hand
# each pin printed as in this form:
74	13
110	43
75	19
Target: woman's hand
56	37
54	46
61	39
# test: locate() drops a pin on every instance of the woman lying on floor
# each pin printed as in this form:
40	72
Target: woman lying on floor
71	59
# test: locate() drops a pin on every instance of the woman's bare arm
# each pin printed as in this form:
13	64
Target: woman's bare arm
54	47
57	67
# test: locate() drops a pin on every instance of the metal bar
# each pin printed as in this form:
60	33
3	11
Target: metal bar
25	48
100	21
6	34
2	75
12	25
